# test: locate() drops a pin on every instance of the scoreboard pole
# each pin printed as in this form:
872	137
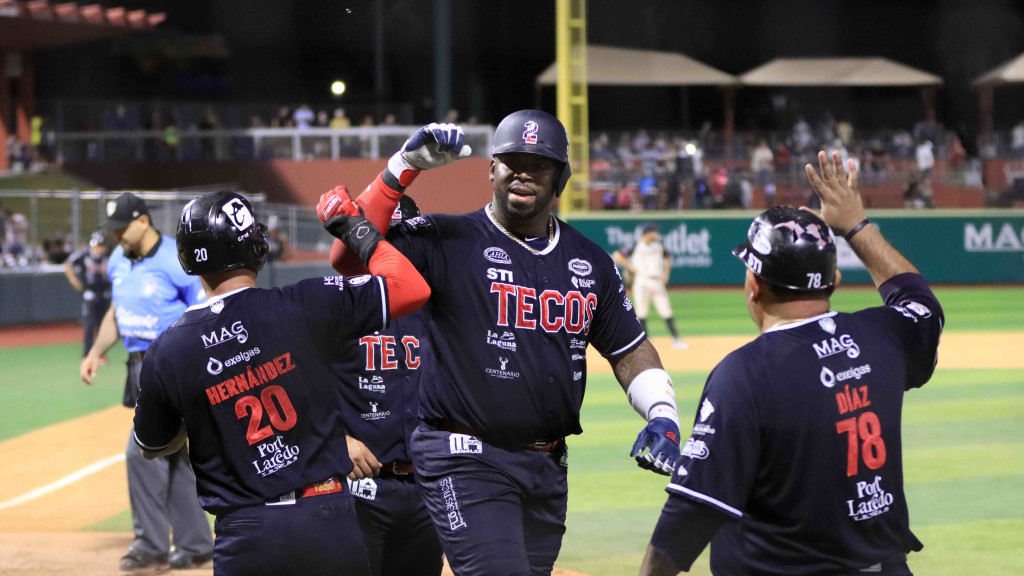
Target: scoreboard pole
573	111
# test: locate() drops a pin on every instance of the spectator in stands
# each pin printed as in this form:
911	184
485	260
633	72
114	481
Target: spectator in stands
17	241
452	117
303	116
209	144
918	192
718	182
802	139
902	143
340	120
389	120
1017	139
283	118
3	228
761	163
323	120
56	249
845	132
701	192
627	195
925	159
957	155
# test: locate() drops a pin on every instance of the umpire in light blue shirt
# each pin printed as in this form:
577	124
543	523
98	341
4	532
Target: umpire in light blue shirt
150	292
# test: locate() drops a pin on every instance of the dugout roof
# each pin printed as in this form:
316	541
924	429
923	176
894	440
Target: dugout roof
1011	72
37	24
838	72
611	66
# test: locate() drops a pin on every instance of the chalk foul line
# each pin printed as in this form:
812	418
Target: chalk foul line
69	479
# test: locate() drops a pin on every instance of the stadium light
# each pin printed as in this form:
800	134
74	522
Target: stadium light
337	88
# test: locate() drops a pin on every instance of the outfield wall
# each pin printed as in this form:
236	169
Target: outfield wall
951	247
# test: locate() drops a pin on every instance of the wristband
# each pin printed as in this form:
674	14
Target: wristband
856	229
652	396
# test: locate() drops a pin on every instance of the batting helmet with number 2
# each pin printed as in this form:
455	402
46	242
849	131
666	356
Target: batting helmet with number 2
535	132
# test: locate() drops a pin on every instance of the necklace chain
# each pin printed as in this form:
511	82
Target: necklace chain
517	239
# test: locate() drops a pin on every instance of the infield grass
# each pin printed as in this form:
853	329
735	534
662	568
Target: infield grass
963	440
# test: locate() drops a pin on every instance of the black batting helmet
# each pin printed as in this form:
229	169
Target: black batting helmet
219	232
791	248
535	132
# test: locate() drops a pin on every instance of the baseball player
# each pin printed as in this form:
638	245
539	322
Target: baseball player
381	376
150	292
86	271
517	296
795	462
650	265
245	376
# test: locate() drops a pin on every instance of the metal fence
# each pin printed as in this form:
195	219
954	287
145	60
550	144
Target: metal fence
36	218
247	144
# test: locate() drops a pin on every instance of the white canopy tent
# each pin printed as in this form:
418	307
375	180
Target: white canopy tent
610	66
848	72
1009	72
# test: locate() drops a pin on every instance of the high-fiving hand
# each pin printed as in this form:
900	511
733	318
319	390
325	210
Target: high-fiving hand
432	146
841	205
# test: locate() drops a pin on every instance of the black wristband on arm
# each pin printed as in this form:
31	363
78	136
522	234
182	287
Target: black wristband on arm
856	229
357	233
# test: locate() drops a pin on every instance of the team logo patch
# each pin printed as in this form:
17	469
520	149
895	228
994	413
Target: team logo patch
582	282
374	413
237	331
530	132
217	307
580	267
917	308
760	238
112	207
506	341
464	444
828	325
502	372
365	488
359	280
214	366
375	384
274	456
831	346
872	500
238	214
695	449
752	261
577	376
706	410
828	377
450	496
497	255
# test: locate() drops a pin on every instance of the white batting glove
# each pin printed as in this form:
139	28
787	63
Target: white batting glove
432	146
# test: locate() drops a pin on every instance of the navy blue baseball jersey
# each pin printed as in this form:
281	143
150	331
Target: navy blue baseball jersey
91	271
381	384
249	374
798	437
511	326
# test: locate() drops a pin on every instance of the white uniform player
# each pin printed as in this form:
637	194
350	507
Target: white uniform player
649	264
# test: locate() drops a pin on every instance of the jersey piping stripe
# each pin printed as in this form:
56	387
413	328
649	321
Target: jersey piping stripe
383	302
677	488
551	246
149	448
630	345
209	301
801	322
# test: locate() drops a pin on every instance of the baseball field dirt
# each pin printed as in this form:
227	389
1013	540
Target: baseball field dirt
64	478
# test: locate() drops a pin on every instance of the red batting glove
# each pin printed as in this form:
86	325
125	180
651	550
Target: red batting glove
336	203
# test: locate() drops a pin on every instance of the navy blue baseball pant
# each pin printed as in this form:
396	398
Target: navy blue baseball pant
312	536
399	534
499	511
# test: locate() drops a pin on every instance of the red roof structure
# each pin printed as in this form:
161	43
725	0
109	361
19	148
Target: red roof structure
29	26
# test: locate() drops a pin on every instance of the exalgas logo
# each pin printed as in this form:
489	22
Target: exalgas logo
987	239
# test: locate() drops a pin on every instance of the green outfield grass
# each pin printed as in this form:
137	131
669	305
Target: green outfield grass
963	440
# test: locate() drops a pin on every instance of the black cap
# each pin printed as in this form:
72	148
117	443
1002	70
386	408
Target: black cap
650	227
96	239
791	248
123	209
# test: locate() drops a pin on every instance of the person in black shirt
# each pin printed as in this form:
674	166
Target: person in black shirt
246	377
795	464
87	273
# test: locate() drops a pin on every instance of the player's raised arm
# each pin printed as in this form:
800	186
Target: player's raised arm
649	390
407	290
432	146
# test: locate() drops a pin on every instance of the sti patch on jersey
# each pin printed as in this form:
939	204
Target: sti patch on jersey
246	373
802	428
511	325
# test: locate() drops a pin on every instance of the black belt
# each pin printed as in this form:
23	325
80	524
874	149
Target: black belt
396	469
539	446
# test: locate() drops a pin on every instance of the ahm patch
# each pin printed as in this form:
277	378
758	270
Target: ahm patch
464	444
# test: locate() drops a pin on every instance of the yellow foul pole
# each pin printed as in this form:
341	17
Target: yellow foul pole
571	51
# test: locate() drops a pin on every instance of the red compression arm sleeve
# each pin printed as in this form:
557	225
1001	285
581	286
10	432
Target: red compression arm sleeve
378	202
407	290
